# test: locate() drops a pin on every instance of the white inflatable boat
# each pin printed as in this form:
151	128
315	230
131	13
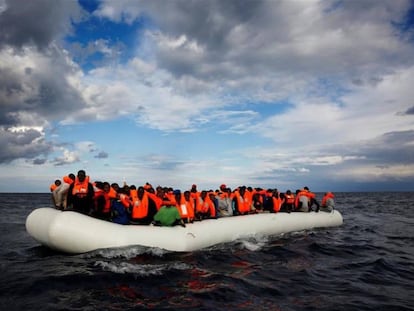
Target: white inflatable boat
74	233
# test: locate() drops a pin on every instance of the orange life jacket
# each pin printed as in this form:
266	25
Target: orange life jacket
125	200
206	205
100	193
53	187
243	203
133	195
156	199
277	204
67	180
301	193
80	189
112	193
328	195
140	207
185	208
290	198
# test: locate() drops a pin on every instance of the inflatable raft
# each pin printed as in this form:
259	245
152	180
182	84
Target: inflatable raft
74	233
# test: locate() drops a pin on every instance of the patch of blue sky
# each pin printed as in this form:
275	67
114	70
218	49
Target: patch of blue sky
333	6
266	109
94	37
405	27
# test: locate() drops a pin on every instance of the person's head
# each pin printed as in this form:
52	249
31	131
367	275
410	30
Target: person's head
140	192
99	185
177	194
58	182
81	175
72	176
106	187
115	186
187	195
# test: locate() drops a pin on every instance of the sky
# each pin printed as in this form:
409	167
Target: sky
273	94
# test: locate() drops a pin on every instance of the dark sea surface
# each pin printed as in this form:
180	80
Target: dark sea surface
366	264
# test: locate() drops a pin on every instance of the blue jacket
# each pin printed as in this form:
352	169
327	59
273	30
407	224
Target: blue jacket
119	213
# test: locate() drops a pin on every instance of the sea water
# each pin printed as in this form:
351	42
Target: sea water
366	264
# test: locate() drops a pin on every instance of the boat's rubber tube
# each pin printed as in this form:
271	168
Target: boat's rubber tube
72	232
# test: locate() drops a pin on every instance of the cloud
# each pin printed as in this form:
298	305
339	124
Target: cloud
101	155
410	110
36	23
317	86
26	143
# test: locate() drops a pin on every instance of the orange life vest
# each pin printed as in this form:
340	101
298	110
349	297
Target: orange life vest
140	207
328	195
290	198
100	193
112	193
301	193
125	200
80	189
206	205
185	208
277	204
53	187
243	203
67	180
156	199
133	195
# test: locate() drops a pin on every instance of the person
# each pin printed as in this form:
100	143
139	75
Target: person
169	216
80	194
301	201
328	203
60	194
119	213
143	208
224	202
56	184
289	203
102	201
277	201
242	202
257	202
312	199
204	206
184	205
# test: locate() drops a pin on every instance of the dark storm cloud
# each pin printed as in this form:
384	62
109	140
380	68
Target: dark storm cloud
27	144
263	37
410	110
391	148
34	74
36	22
39	161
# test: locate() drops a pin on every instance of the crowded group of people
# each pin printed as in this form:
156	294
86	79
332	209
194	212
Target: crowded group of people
166	206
